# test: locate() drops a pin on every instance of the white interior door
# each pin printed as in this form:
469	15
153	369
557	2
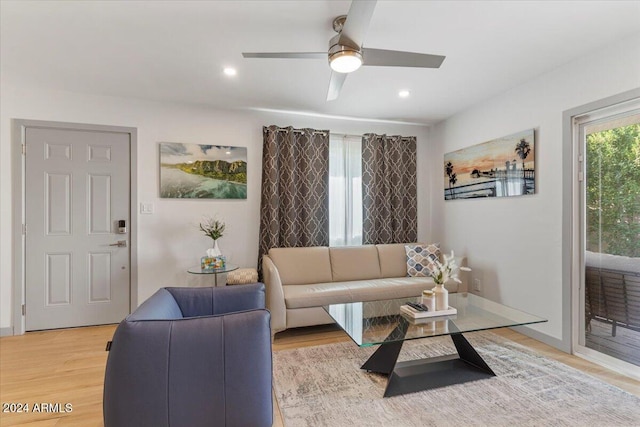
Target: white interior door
77	188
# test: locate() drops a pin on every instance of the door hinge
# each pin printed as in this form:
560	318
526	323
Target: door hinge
24	309
24	149
24	229
580	176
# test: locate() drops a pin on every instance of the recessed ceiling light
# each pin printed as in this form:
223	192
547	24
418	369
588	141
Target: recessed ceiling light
403	94
229	71
228	152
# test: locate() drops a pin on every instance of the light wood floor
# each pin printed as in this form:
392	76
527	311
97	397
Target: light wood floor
67	366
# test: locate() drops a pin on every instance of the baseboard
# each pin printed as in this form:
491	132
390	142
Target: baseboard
5	332
539	336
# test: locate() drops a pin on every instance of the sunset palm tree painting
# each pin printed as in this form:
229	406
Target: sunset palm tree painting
492	169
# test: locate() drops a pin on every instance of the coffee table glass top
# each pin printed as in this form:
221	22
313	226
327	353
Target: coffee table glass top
376	322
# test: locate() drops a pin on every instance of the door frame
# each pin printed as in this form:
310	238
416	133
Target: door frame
572	256
18	134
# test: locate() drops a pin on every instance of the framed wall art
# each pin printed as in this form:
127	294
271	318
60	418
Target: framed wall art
502	167
194	171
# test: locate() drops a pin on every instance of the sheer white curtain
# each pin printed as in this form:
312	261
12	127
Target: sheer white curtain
345	190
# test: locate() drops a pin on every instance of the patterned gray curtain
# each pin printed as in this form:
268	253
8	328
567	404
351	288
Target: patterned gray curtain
389	189
294	209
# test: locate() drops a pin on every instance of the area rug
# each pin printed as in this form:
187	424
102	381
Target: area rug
324	386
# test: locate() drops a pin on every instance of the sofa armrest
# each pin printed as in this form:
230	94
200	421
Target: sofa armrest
159	306
209	301
190	372
275	295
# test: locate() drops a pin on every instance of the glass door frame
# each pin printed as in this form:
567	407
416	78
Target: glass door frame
579	124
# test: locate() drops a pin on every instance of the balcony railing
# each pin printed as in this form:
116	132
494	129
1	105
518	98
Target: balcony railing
613	296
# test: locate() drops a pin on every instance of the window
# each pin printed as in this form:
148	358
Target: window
607	326
345	190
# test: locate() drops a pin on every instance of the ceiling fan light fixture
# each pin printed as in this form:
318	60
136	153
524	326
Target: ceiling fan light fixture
345	61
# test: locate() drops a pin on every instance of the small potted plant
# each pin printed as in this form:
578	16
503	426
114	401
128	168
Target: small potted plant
214	229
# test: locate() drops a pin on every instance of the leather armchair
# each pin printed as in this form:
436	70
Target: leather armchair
192	357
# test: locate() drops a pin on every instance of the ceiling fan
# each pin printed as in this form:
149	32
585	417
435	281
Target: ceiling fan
346	53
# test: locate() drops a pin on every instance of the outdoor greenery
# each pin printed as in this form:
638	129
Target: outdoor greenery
613	191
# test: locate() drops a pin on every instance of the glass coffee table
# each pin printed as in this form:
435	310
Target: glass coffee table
380	323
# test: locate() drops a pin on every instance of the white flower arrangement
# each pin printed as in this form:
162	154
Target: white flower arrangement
444	271
212	227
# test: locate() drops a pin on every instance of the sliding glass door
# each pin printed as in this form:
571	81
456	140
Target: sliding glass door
609	289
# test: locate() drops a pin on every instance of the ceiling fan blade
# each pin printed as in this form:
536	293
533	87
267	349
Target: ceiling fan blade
396	58
335	84
286	55
357	23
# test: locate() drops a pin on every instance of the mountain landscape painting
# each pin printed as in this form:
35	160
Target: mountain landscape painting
502	167
194	171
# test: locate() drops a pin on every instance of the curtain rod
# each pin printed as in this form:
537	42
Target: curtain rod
360	136
345	135
320	132
315	132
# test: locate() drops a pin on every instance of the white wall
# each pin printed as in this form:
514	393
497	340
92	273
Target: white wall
169	241
514	244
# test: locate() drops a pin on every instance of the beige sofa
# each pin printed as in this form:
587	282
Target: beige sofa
300	281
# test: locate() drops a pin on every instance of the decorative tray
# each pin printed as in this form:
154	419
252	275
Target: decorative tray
412	312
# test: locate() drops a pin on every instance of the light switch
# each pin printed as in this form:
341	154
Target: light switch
146	208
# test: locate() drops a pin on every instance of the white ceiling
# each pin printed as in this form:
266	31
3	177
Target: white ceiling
175	50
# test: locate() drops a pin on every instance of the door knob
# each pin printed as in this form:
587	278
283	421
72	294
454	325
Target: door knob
120	244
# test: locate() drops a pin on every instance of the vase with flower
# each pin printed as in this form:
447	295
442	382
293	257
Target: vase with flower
213	228
442	272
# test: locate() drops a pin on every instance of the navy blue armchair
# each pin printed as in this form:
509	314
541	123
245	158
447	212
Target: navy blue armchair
192	357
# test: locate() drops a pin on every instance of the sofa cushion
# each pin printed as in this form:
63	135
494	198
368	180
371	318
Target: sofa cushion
301	266
354	263
358	290
393	260
315	295
420	259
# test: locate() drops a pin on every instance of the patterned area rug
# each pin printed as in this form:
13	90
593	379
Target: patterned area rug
324	386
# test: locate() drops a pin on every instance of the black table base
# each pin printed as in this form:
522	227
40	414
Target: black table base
429	373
